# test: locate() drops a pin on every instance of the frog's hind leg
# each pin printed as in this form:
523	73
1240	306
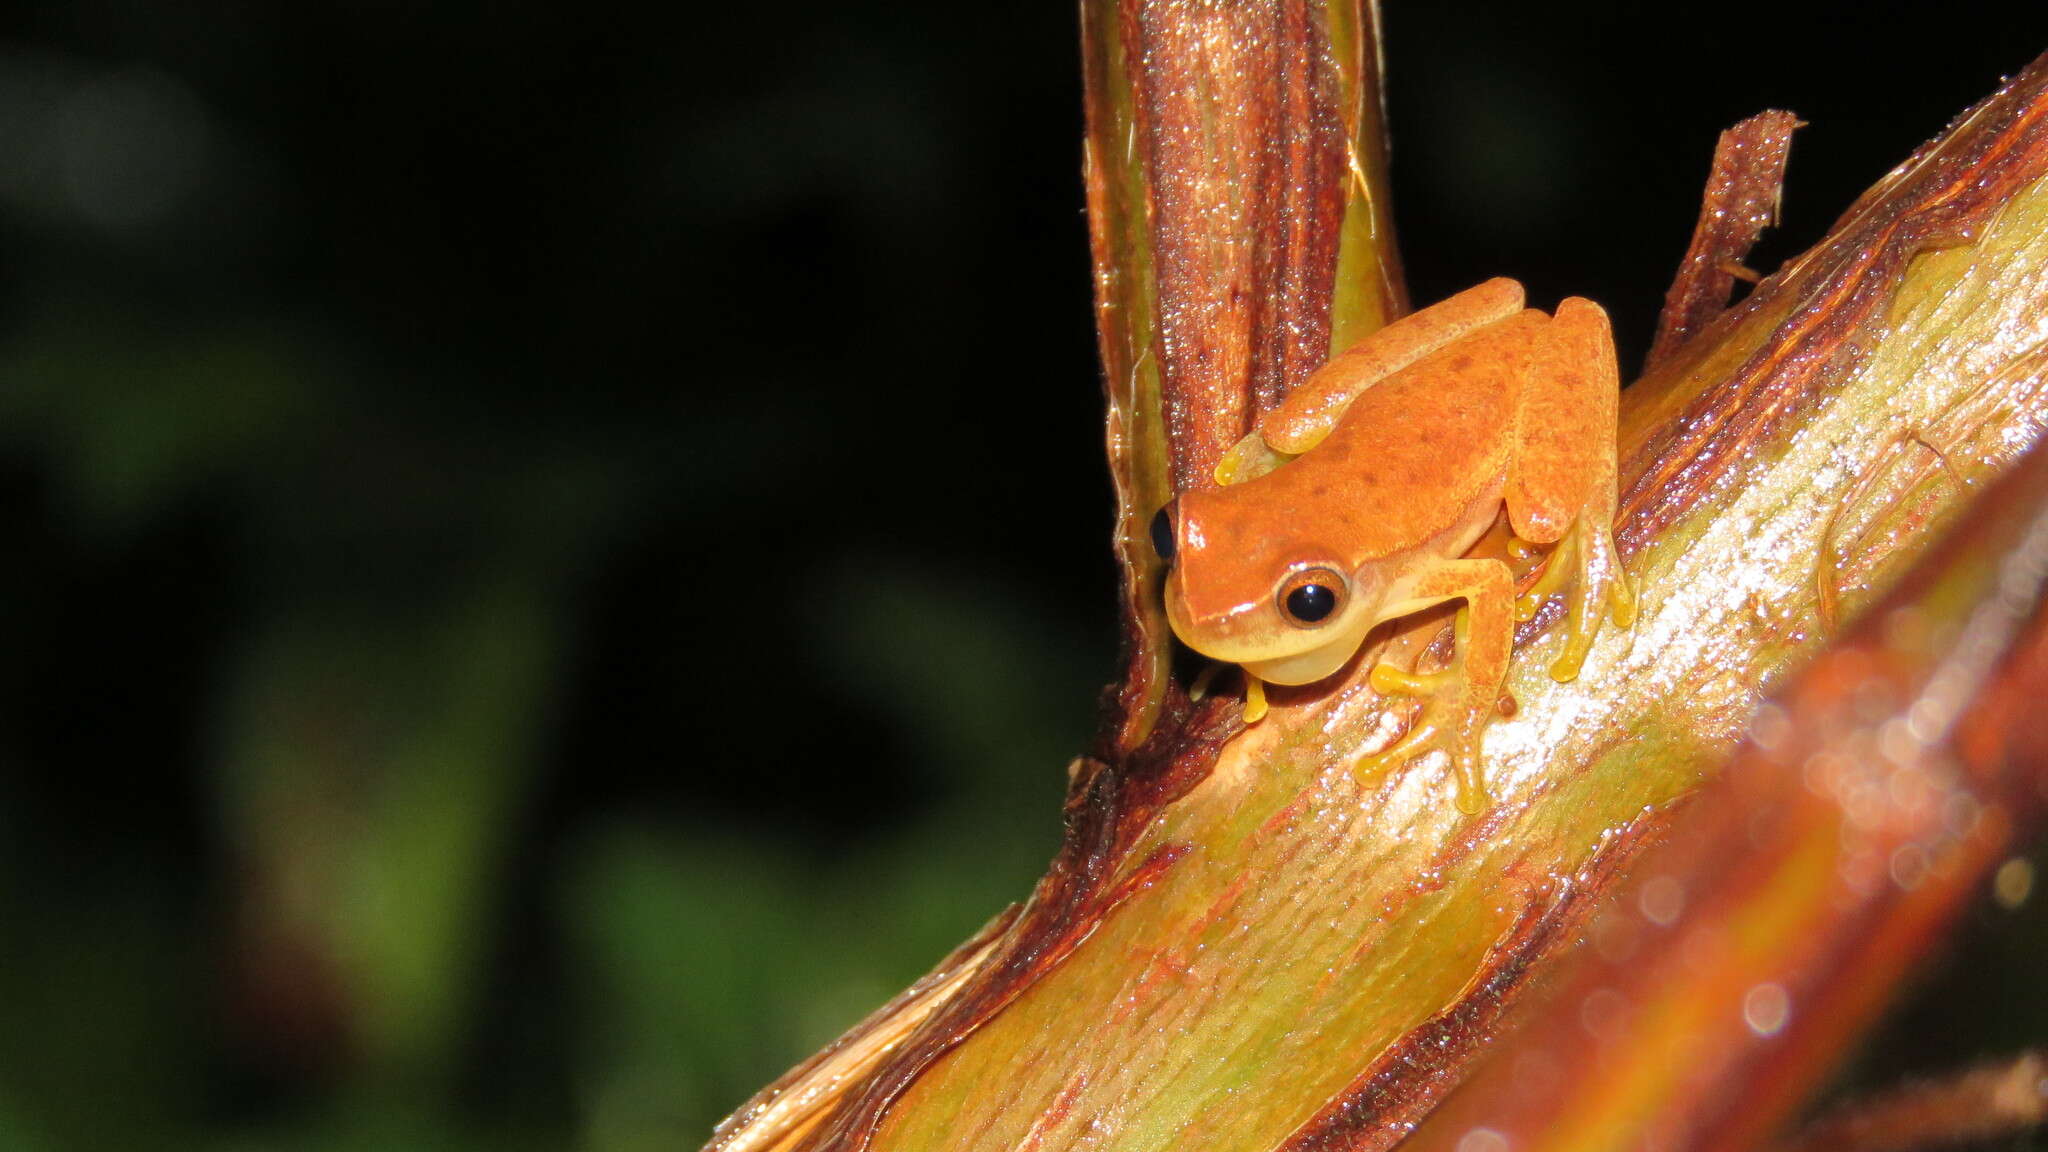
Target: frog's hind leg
1560	483
1315	406
1460	700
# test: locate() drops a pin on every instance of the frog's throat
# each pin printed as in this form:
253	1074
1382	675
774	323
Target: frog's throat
1312	664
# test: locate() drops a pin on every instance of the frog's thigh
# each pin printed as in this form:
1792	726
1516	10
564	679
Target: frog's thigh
1563	455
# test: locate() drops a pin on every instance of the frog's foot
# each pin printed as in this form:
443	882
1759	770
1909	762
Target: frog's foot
1586	569
1450	719
1249	459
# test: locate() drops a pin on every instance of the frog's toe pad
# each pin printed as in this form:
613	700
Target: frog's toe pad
1621	600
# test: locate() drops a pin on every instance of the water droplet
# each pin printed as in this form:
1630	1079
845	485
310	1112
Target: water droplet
1766	1008
1663	900
1482	1140
1908	866
1604	1015
2013	883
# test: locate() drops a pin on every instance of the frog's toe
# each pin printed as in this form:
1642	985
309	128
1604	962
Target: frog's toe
1388	680
1621	600
1577	642
1254	697
1586	604
1471	796
1559	573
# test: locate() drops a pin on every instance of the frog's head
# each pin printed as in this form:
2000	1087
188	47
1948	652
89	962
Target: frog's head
1250	588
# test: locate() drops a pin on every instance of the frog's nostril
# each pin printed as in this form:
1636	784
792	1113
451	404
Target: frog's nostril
1162	533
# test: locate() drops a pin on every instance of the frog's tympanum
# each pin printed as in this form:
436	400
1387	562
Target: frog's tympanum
1355	501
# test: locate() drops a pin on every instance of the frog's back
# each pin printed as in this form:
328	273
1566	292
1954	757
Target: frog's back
1414	451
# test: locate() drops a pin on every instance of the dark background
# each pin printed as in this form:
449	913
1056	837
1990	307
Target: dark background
558	551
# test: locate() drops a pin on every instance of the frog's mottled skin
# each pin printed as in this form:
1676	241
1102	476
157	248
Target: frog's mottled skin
1385	467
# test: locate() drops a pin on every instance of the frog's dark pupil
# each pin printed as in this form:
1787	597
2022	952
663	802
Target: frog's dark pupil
1162	534
1311	602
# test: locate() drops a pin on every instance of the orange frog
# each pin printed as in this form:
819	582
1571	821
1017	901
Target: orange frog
1355	501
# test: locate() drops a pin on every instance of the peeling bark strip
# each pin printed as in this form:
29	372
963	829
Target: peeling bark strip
1940	198
1743	191
1243	141
1866	810
1135	433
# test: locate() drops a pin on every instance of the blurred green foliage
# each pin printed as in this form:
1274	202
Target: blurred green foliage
487	679
558	551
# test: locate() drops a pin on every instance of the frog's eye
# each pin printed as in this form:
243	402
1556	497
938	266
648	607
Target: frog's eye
1311	596
1162	533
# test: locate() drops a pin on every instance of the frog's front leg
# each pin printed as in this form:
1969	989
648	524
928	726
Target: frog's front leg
1460	700
1560	484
